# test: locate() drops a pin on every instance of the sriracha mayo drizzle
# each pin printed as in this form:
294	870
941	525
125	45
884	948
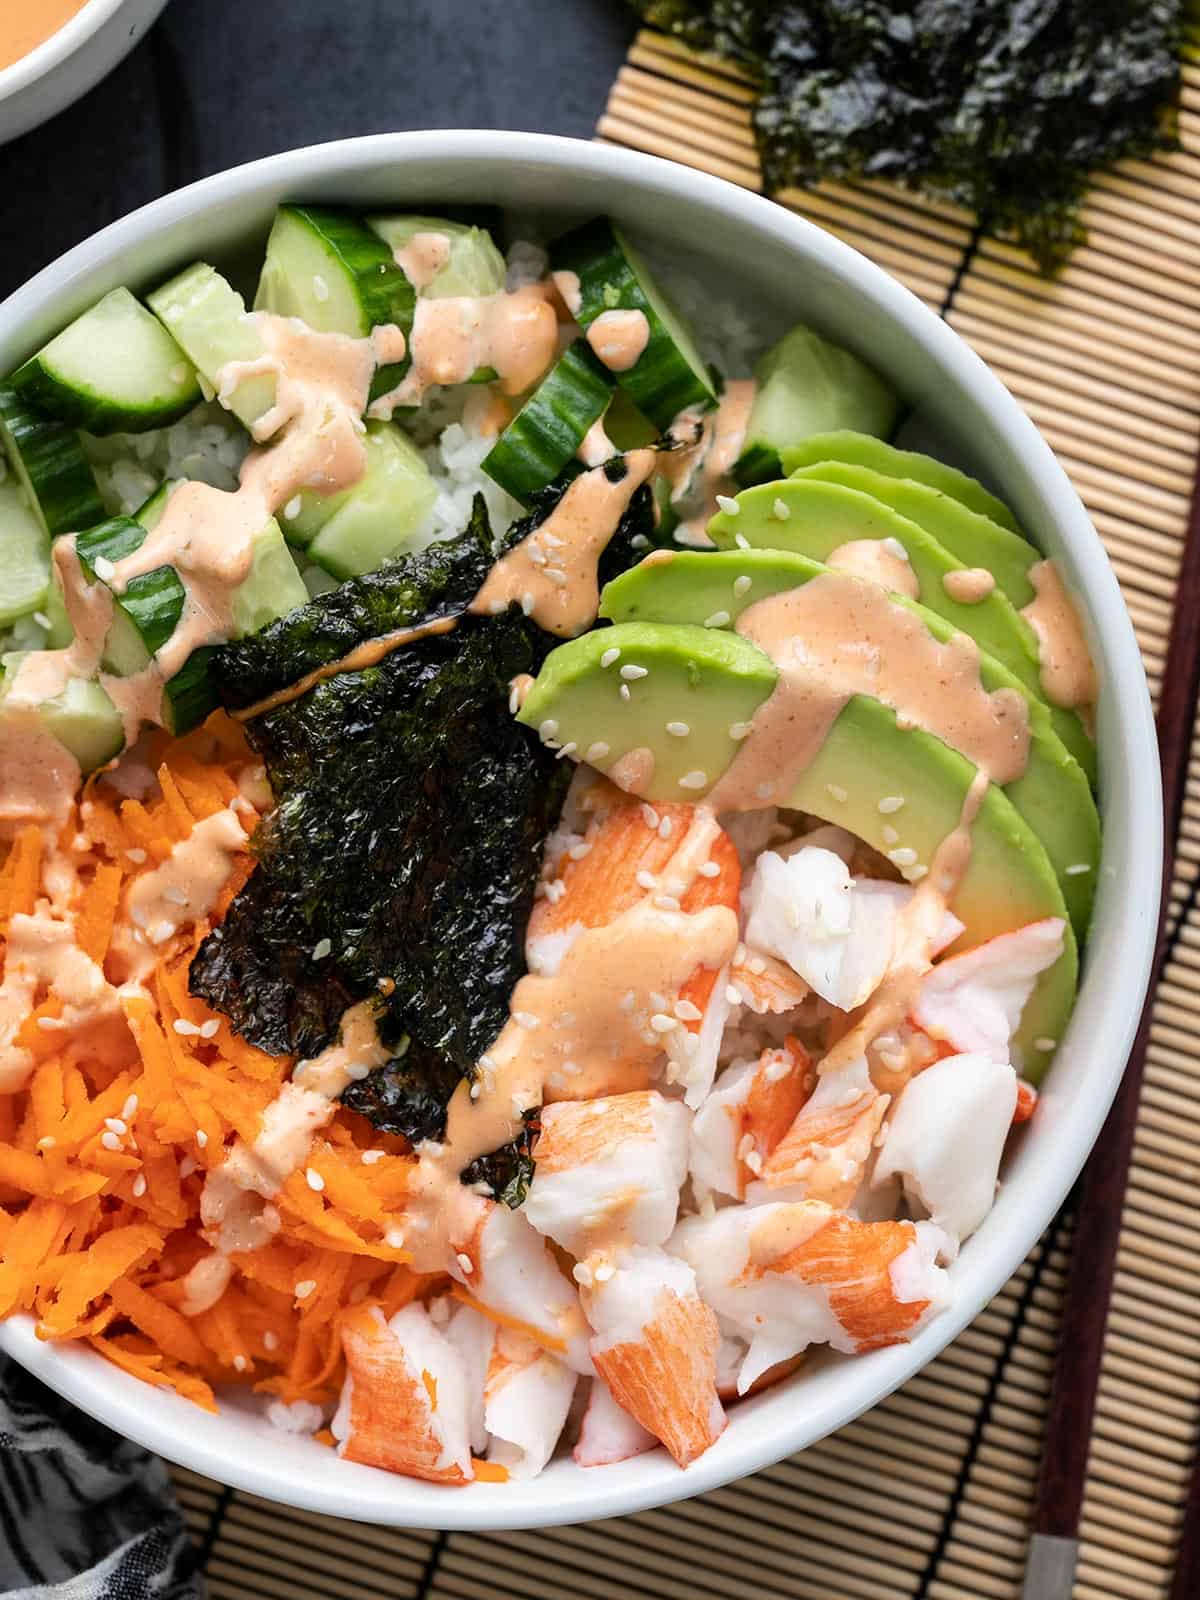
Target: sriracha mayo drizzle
422	258
551	574
699	474
618	338
1067	673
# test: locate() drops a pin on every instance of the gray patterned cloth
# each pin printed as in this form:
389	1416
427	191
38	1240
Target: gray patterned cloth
84	1515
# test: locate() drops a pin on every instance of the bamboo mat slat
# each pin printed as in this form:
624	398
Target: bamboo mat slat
927	1497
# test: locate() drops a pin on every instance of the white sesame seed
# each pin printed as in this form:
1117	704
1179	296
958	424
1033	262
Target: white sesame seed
891	803
495	607
694	780
728	505
890	836
687	1012
627	1001
527	1019
514	700
42	620
1077	868
649	816
47	1142
678	730
177	897
547	729
139	1185
741	541
527	602
394	1238
187	1029
578	851
742	585
582	1274
104	568
915	874
110	1141
709	869
304	1288
836	792
161	932
646	880
904	857
625	693
314	1179
662	1023
466	1265
293	508
896	549
739	730
320	287
567	749
116	1125
136	856
717	620
631	673
666	902
597	752
321	949
201	1138
604	1272
781	511
610	657
665	828
557	577
210	1029
51	1024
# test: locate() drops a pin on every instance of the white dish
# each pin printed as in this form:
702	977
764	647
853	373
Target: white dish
774	256
70	62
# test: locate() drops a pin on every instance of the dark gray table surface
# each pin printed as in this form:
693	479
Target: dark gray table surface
219	82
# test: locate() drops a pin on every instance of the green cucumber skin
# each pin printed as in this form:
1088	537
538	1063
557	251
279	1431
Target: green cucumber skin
661	383
189	697
48	457
384	293
41	389
759	463
550	427
152	602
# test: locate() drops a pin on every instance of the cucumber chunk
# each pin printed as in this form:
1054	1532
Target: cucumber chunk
807	385
327	268
474	267
149	609
24	555
669	375
51	467
82	718
550	427
116	369
208	317
381	516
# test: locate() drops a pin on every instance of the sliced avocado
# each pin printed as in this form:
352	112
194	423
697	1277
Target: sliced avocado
817	518
1052	794
864	450
705	680
694	679
974	540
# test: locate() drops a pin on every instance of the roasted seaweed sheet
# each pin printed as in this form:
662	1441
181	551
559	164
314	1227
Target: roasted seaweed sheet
1003	106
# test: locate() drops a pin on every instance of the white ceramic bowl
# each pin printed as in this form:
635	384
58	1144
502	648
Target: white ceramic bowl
70	62
774	256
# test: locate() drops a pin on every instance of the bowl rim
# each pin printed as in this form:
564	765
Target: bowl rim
512	1506
62	43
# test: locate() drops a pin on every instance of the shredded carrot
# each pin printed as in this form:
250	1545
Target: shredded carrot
503	1321
489	1471
94	924
180	818
23	872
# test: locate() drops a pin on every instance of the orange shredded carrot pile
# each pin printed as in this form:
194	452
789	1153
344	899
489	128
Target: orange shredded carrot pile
105	1148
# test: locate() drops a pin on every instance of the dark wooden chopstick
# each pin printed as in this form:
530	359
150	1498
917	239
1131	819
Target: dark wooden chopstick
1100	1195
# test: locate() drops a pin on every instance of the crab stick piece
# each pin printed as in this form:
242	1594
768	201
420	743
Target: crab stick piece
608	1433
823	1154
765	985
751	1108
404	1401
656	1348
527	1394
787	1276
507	1269
945	1138
609	1171
472	1335
974	1001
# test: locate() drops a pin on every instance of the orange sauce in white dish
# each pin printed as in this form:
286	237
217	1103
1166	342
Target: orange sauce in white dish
25	24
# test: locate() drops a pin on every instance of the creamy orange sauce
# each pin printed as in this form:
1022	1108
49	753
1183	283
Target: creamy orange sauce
597	447
838	636
184	889
1067	673
423	257
970	586
235	1204
551	574
515	334
699	474
25	24
567	284
618	338
875	560
42	953
39	777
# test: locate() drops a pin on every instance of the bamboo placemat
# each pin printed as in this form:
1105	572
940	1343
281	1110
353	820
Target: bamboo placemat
927	1497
